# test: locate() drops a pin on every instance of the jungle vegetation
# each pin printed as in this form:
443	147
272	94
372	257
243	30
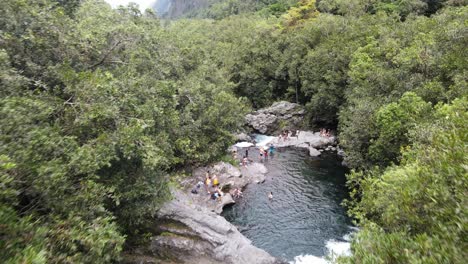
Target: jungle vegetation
100	106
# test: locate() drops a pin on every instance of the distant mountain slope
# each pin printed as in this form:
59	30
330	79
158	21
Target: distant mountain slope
219	8
162	6
179	8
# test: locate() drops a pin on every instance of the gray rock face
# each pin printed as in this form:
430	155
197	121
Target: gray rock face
272	119
242	137
306	139
191	230
193	233
313	152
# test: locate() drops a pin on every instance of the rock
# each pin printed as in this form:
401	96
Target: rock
201	234
229	176
340	152
314	152
226	170
333	149
273	119
305	139
225	200
242	137
302	145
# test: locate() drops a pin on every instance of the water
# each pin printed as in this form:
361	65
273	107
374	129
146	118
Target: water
304	221
262	140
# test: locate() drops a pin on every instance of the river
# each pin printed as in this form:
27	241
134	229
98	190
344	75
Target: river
304	221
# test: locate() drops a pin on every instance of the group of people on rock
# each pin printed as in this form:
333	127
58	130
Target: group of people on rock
287	134
245	159
236	193
212	187
264	153
325	132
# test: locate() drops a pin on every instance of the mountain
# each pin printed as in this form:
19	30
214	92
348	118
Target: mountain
218	9
179	8
162	6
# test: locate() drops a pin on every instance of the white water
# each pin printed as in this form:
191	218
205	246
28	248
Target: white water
335	249
263	140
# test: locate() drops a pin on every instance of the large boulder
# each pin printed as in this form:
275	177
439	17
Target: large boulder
313	152
309	140
190	233
242	137
229	176
273	119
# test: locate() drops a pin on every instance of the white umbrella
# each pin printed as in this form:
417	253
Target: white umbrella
243	144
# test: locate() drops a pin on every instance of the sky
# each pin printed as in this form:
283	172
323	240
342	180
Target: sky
142	3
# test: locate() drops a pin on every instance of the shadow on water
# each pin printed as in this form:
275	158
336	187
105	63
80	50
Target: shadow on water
305	212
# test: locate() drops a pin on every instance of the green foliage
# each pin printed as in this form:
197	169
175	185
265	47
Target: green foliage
98	107
416	212
18	231
298	14
393	123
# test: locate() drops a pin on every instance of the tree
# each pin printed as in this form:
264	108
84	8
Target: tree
416	212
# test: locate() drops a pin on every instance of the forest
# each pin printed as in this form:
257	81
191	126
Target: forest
100	108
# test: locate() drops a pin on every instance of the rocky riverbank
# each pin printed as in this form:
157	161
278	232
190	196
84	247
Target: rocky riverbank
191	230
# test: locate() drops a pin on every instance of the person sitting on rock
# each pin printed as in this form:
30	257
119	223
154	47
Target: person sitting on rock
245	160
215	181
199	184
217	194
237	193
234	154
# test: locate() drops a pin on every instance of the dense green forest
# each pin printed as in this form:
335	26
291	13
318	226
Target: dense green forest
99	107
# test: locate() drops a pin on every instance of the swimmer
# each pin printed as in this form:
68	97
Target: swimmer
270	195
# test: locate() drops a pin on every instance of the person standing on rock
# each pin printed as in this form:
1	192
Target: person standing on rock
285	135
271	149
246	153
208	182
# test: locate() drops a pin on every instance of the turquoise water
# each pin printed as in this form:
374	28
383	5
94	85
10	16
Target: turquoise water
304	216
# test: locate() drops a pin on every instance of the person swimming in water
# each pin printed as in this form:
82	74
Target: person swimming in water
270	195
